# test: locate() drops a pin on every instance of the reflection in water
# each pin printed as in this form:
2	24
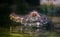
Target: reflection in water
33	23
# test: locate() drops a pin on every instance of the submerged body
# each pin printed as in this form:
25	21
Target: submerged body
34	22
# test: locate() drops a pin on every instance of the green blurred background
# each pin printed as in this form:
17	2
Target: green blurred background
23	7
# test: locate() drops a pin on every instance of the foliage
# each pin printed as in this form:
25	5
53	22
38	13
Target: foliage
50	10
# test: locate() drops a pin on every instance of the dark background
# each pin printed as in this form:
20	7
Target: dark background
23	7
6	7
